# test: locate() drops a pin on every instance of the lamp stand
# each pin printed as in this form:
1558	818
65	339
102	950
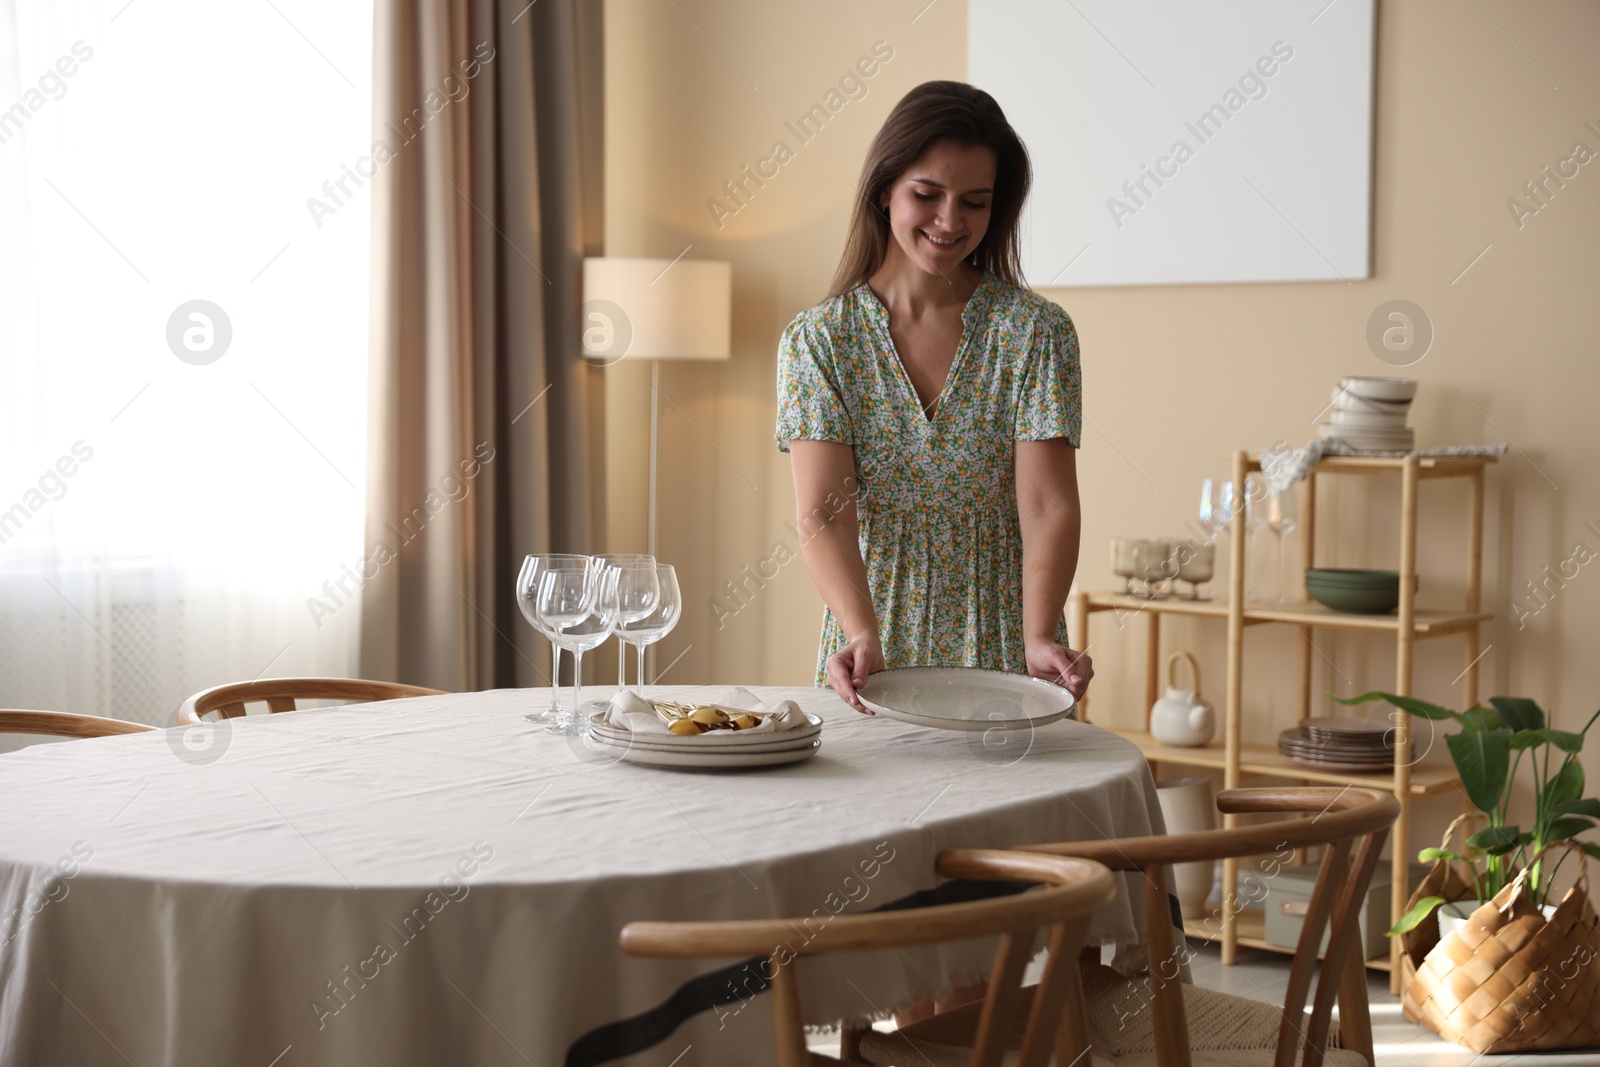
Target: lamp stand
655	450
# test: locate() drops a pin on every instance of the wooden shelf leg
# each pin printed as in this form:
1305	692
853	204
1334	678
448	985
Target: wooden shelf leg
1152	663
1404	648
1078	634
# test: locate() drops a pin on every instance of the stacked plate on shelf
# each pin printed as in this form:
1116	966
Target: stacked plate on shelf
1340	744
1370	413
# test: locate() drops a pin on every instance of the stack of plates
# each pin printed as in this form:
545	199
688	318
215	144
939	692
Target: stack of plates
1338	744
1370	413
715	750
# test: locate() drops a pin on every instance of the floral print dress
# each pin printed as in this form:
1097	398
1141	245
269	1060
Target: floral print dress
937	497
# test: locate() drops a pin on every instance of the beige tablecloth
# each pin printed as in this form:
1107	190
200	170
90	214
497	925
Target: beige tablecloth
436	881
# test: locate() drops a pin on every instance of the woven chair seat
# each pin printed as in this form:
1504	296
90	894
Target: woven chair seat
1224	1030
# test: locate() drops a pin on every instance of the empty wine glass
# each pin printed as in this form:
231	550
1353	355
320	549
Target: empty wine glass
1196	563
1282	521
658	623
1208	521
637	590
527	592
579	608
1255	520
1123	563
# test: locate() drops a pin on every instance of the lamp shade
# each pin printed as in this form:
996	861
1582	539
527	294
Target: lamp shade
656	309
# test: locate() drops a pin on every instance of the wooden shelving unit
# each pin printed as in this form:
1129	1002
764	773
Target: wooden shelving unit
1236	758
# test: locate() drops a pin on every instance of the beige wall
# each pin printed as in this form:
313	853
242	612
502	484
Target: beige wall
1175	377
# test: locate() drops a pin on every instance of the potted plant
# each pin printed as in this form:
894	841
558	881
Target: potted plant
1488	751
1519	974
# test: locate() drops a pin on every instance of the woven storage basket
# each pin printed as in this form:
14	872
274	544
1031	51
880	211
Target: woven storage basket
1506	980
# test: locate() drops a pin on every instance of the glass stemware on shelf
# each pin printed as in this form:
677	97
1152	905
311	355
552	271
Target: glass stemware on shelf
638	593
579	610
527	591
1124	563
1282	521
659	623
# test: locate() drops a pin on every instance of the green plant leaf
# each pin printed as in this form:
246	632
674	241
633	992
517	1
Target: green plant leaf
1524	739
1566	785
1495	840
1570	826
1419	911
1589	806
1431	855
1481	718
1519	713
1565	740
1591	849
1410	704
1482	758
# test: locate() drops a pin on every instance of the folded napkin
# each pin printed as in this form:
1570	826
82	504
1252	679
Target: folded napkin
629	711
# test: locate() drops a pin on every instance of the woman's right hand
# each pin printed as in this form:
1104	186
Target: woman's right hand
850	666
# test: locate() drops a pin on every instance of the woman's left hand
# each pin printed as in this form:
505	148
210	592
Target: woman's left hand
1061	665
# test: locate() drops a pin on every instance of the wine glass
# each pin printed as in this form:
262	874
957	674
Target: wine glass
1255	520
1196	563
533	567
1208	521
1282	520
658	623
579	608
1123	563
638	589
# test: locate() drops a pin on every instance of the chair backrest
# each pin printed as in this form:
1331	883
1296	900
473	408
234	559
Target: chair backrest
1353	823
280	694
1073	889
65	724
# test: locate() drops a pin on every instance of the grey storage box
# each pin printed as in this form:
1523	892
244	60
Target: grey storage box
1289	892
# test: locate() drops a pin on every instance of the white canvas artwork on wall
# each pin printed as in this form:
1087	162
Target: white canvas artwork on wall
1181	143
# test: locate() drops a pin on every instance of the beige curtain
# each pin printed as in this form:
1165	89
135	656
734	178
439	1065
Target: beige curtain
484	420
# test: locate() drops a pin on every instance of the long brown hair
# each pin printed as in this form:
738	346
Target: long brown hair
939	111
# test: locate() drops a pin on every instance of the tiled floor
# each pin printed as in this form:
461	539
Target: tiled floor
1396	1041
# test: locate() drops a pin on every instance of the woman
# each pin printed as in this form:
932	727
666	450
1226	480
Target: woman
931	407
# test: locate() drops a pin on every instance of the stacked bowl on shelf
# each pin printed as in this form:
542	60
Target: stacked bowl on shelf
1370	413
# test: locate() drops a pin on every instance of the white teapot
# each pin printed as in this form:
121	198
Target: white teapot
1181	718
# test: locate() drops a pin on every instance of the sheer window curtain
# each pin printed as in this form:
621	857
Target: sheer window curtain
181	484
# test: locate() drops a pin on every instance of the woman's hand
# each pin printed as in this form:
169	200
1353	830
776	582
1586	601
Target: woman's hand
1061	665
849	667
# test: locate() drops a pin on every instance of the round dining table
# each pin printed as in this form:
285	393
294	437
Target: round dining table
437	880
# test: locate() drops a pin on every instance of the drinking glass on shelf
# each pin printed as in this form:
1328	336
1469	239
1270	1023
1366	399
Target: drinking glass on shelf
637	590
527	591
1123	563
1208	520
1228	501
658	623
1196	563
1151	564
1167	564
1282	520
579	608
1255	520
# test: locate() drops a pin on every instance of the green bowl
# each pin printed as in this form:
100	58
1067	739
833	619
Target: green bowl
1359	592
1364	579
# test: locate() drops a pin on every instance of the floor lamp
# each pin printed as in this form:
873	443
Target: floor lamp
656	309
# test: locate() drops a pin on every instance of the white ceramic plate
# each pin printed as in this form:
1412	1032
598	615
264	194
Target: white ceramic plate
703	760
676	743
965	698
715	739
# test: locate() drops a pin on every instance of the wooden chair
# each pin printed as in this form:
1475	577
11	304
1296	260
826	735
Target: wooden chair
66	724
1221	1028
1073	890
228	701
